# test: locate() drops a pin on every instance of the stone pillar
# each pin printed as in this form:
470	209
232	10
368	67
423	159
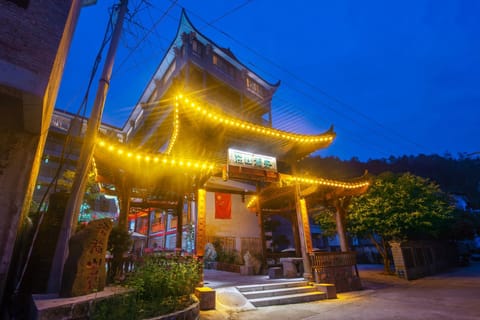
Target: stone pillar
85	266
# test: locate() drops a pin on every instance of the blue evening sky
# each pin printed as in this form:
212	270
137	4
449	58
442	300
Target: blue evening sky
393	77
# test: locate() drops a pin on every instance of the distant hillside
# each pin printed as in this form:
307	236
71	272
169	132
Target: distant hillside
459	176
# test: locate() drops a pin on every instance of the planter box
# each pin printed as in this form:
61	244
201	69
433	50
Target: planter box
48	307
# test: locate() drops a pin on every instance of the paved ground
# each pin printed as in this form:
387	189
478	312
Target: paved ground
450	295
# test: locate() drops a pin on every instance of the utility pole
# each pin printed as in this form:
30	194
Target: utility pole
84	161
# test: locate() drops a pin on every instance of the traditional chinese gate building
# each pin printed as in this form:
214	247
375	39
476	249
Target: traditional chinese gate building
203	127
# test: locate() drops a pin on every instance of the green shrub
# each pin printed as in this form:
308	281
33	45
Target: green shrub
164	284
120	306
160	285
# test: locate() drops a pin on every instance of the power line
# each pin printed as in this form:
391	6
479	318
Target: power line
315	99
331	97
229	12
147	34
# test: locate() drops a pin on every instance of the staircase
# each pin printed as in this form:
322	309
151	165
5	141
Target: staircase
262	295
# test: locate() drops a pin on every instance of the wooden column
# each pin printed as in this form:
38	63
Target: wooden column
178	244
262	229
304	232
306	225
200	236
296	236
149	227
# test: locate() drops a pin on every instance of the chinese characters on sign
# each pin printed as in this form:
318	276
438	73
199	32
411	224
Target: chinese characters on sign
251	160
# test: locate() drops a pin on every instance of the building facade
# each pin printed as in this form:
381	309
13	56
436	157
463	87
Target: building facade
203	104
34	43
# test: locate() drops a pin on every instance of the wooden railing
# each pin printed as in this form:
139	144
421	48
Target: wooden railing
323	261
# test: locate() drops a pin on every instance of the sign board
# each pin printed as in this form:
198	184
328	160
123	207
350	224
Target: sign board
251	160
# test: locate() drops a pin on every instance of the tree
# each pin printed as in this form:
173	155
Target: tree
399	207
92	192
325	217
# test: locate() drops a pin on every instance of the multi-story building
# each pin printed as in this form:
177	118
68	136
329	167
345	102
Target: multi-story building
204	104
34	41
60	155
199	160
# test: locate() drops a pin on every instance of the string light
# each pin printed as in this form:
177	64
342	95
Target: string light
251	202
331	183
245	125
165	161
176	127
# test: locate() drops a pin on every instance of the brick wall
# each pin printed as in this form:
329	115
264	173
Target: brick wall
30	37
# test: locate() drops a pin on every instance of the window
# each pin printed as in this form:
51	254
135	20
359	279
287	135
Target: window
197	48
254	86
169	72
223	65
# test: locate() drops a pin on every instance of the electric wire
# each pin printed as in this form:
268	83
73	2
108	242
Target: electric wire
66	148
149	31
329	106
276	65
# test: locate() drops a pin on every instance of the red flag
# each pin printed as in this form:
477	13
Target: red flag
223	205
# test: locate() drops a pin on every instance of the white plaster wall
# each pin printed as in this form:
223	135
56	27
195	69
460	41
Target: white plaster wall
242	224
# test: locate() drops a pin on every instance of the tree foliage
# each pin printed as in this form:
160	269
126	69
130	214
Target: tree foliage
399	207
325	218
459	175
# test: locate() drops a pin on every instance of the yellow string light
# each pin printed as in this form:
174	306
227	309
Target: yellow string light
331	183
251	202
233	122
151	158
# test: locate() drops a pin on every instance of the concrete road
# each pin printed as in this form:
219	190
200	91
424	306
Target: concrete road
451	295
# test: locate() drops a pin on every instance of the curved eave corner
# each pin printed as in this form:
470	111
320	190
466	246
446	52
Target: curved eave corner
187	25
204	112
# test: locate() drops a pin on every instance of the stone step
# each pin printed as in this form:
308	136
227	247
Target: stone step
288	299
278	292
272	286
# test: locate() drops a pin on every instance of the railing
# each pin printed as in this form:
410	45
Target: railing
333	259
339	268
